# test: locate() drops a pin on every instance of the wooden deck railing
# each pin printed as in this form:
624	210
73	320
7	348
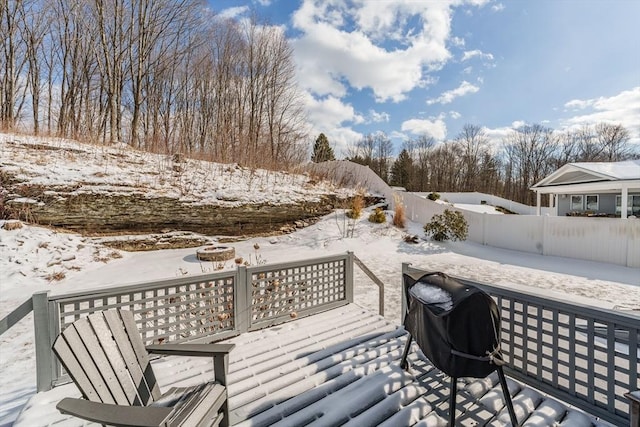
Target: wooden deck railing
585	356
208	307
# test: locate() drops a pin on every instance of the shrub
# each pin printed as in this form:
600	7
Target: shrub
399	217
449	225
433	196
357	204
378	216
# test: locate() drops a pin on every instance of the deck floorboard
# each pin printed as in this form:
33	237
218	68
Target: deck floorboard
339	367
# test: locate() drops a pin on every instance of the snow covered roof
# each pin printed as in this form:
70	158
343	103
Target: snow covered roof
592	172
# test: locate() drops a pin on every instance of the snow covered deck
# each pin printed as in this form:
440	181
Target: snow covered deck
339	367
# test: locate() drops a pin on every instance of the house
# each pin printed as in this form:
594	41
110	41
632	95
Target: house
593	189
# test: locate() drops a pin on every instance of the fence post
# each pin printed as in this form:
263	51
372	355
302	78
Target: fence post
349	277
485	219
545	230
243	290
44	355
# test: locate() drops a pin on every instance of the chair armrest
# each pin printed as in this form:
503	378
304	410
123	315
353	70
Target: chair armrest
191	349
116	415
634	408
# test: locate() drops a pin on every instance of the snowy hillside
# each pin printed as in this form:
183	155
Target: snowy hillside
55	163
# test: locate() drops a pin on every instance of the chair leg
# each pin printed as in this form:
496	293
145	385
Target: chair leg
452	401
507	397
405	353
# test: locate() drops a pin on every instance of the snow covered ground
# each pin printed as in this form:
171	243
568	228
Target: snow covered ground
34	258
31	256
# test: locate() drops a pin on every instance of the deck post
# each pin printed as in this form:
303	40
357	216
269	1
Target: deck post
242	310
44	355
349	277
634	408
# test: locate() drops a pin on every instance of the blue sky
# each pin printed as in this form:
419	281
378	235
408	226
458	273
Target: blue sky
409	67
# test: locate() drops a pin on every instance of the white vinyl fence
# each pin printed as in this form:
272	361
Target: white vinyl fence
610	240
475	198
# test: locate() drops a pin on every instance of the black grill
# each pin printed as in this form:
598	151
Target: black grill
457	327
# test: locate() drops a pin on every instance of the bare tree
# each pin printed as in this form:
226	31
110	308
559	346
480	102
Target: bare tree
614	142
14	60
33	22
473	144
420	149
529	150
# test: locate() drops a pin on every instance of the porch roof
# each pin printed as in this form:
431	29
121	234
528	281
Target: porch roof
339	367
591	177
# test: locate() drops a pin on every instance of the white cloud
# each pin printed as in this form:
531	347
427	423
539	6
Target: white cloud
431	127
477	53
517	124
233	12
338	46
623	108
578	104
379	117
497	136
329	115
447	97
454	115
263	2
497	7
457	41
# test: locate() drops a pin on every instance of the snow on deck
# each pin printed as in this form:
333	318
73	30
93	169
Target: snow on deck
339	367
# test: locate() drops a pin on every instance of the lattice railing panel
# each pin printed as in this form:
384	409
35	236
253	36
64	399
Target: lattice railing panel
288	291
165	311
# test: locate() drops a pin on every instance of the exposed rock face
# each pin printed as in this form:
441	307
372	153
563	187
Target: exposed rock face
100	213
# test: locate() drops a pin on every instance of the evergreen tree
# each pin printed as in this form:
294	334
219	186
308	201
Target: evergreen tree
402	171
322	151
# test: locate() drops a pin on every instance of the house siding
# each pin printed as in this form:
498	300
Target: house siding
606	203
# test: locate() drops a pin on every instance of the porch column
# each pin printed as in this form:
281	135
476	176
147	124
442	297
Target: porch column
623	202
538	197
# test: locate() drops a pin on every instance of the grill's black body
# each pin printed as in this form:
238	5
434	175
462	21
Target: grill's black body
461	339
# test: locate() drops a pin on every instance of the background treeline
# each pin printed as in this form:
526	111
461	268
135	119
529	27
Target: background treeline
170	76
160	75
470	163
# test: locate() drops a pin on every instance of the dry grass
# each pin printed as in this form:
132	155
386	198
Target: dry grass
399	214
12	225
357	204
56	276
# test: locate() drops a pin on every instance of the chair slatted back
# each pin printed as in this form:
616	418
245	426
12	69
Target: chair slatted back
105	356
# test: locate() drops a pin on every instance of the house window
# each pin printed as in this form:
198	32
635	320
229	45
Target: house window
576	202
633	204
592	202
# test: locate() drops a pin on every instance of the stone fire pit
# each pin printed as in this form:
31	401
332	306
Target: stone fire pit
216	253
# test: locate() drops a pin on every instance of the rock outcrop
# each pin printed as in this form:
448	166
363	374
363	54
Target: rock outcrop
110	213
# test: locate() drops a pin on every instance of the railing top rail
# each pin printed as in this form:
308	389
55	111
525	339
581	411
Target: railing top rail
622	318
293	264
184	280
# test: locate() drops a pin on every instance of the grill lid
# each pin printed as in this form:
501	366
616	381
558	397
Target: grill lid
457	326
